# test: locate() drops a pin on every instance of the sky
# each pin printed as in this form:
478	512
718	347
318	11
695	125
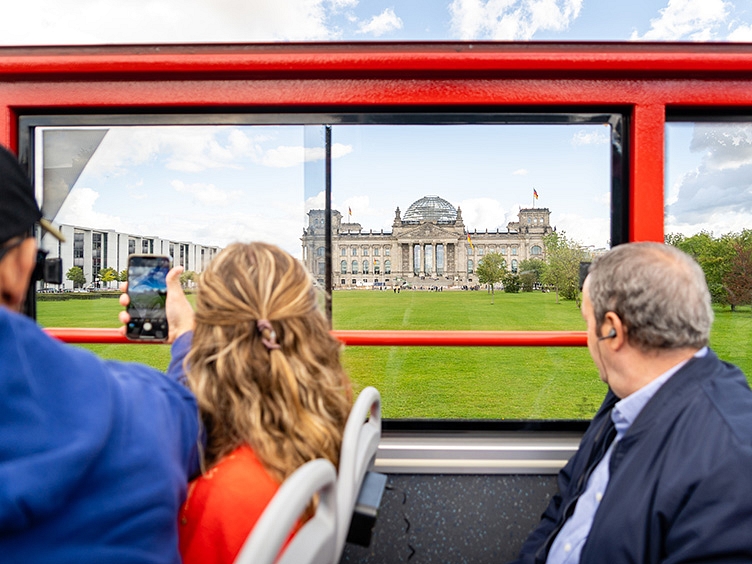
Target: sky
216	185
49	22
708	172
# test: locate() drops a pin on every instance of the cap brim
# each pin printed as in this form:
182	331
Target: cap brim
52	230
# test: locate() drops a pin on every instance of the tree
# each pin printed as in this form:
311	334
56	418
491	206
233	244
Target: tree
76	275
511	283
108	275
531	272
187	277
563	266
737	281
491	269
718	257
714	255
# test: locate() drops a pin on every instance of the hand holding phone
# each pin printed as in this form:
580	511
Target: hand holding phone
147	292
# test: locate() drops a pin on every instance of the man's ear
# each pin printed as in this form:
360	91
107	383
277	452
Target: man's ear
616	330
15	273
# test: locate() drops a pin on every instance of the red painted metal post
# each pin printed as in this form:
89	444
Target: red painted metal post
646	199
7	128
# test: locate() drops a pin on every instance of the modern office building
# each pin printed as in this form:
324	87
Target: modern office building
428	246
95	249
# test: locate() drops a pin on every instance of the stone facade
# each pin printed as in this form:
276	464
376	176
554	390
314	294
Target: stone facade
429	246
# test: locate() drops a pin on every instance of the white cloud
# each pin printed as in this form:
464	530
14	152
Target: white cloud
186	149
727	221
360	206
385	22
483	213
166	21
584	230
716	195
371	217
741	34
195	149
695	20
136	191
343	4
317	202
723	147
195	155
79	210
283	157
286	156
206	194
520	172
340	150
278	222
510	19
590	138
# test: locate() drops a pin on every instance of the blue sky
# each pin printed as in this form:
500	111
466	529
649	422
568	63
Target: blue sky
216	185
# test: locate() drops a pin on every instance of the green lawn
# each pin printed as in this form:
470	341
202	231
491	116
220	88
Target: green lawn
470	382
448	382
100	313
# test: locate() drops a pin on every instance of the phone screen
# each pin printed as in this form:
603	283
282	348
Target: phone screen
147	288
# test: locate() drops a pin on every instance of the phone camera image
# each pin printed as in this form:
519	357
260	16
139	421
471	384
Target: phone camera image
147	289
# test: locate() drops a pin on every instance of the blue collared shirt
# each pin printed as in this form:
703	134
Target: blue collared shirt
568	544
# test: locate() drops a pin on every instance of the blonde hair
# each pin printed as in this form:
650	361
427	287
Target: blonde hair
289	403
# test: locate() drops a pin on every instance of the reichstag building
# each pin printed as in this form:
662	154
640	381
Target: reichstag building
428	246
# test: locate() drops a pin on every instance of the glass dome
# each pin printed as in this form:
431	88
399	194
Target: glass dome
431	208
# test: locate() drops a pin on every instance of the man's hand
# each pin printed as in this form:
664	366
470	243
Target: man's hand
180	316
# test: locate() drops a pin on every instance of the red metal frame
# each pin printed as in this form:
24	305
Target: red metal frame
647	81
380	338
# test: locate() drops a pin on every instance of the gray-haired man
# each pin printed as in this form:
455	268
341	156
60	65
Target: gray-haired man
664	472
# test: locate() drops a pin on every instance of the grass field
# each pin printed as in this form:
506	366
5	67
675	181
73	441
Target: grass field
448	382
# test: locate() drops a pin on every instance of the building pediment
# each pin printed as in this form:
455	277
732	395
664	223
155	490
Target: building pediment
428	231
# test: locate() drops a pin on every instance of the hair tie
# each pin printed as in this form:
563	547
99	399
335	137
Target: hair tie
271	342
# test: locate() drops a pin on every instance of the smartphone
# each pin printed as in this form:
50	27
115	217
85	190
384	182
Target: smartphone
147	288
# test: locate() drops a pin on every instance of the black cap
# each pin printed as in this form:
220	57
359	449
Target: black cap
18	207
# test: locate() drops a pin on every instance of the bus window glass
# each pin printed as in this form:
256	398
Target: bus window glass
709	215
444	199
425	209
182	191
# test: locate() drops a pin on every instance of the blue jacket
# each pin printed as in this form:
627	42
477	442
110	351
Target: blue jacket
680	487
94	455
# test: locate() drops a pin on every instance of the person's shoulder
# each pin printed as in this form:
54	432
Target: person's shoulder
23	340
137	374
237	483
730	399
241	466
723	402
19	326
